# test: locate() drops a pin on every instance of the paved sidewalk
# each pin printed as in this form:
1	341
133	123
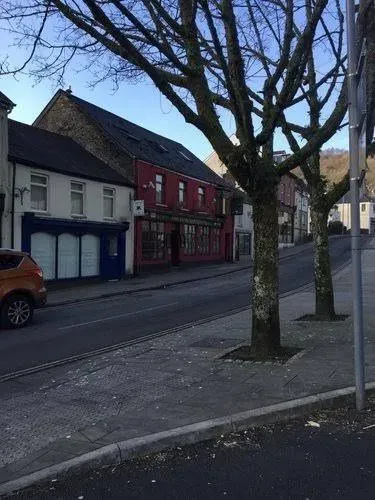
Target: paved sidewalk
176	380
79	293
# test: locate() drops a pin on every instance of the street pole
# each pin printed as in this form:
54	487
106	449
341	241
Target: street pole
355	233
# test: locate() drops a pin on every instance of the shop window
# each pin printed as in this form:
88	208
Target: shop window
189	239
153	240
108	203
160	189
77	194
68	256
43	251
90	255
38	192
215	241
203	240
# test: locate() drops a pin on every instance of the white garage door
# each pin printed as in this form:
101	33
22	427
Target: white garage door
90	257
68	256
43	251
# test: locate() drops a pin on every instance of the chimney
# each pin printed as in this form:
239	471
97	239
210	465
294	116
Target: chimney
6	106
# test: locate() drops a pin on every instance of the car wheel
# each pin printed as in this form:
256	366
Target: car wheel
16	312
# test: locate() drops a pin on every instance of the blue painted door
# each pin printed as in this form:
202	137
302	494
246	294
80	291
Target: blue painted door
111	257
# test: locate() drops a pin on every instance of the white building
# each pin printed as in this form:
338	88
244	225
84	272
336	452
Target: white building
301	216
243	239
67	208
341	212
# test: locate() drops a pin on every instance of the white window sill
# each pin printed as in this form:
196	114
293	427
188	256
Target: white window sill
185	209
41	212
161	205
75	216
109	219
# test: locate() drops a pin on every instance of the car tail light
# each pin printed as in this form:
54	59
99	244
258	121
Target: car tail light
39	273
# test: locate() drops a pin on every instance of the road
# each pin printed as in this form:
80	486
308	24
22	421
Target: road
65	331
285	461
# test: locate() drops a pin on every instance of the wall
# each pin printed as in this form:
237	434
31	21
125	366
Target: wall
59	203
147	173
66	118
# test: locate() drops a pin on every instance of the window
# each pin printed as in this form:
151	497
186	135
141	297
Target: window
8	261
182	193
38	192
77	192
201	197
363	207
203	240
373	208
153	240
112	243
216	240
108	203
160	189
189	239
185	156
281	192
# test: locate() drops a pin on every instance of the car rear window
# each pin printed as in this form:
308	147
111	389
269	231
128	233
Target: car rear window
8	261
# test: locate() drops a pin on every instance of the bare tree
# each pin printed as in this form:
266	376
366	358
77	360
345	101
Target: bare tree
247	58
322	196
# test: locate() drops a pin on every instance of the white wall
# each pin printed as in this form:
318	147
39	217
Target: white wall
59	204
244	223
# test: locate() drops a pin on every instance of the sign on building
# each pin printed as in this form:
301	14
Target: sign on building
138	208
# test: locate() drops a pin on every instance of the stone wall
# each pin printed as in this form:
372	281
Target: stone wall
65	117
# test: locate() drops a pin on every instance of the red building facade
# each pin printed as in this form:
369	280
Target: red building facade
186	220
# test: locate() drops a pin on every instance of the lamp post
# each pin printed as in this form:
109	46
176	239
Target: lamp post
359	363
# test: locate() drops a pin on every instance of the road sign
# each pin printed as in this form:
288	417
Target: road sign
138	208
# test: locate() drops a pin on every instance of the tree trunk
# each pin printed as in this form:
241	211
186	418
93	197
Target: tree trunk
265	317
324	297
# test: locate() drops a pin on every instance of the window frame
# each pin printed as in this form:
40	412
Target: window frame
182	202
162	192
46	186
83	192
201	197
113	198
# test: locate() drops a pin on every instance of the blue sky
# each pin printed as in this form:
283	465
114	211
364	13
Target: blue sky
140	103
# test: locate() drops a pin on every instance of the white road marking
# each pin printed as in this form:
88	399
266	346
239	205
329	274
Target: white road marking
109	318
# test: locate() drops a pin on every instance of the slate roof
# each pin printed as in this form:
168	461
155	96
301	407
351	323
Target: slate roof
42	149
143	144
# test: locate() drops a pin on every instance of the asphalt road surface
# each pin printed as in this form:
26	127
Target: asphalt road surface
285	461
65	331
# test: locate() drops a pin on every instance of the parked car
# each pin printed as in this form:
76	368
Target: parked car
21	288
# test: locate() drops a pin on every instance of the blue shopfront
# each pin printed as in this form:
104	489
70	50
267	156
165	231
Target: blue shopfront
75	249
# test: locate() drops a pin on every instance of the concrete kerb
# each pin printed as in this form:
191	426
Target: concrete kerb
161	287
119	452
144	289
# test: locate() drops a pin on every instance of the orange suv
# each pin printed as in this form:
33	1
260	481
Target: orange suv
21	288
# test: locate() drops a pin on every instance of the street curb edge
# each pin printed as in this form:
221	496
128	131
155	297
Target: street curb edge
119	452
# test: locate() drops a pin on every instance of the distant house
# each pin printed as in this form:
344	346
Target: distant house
62	204
181	217
291	191
341	212
301	215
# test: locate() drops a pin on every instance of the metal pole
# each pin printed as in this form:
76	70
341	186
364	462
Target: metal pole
355	232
